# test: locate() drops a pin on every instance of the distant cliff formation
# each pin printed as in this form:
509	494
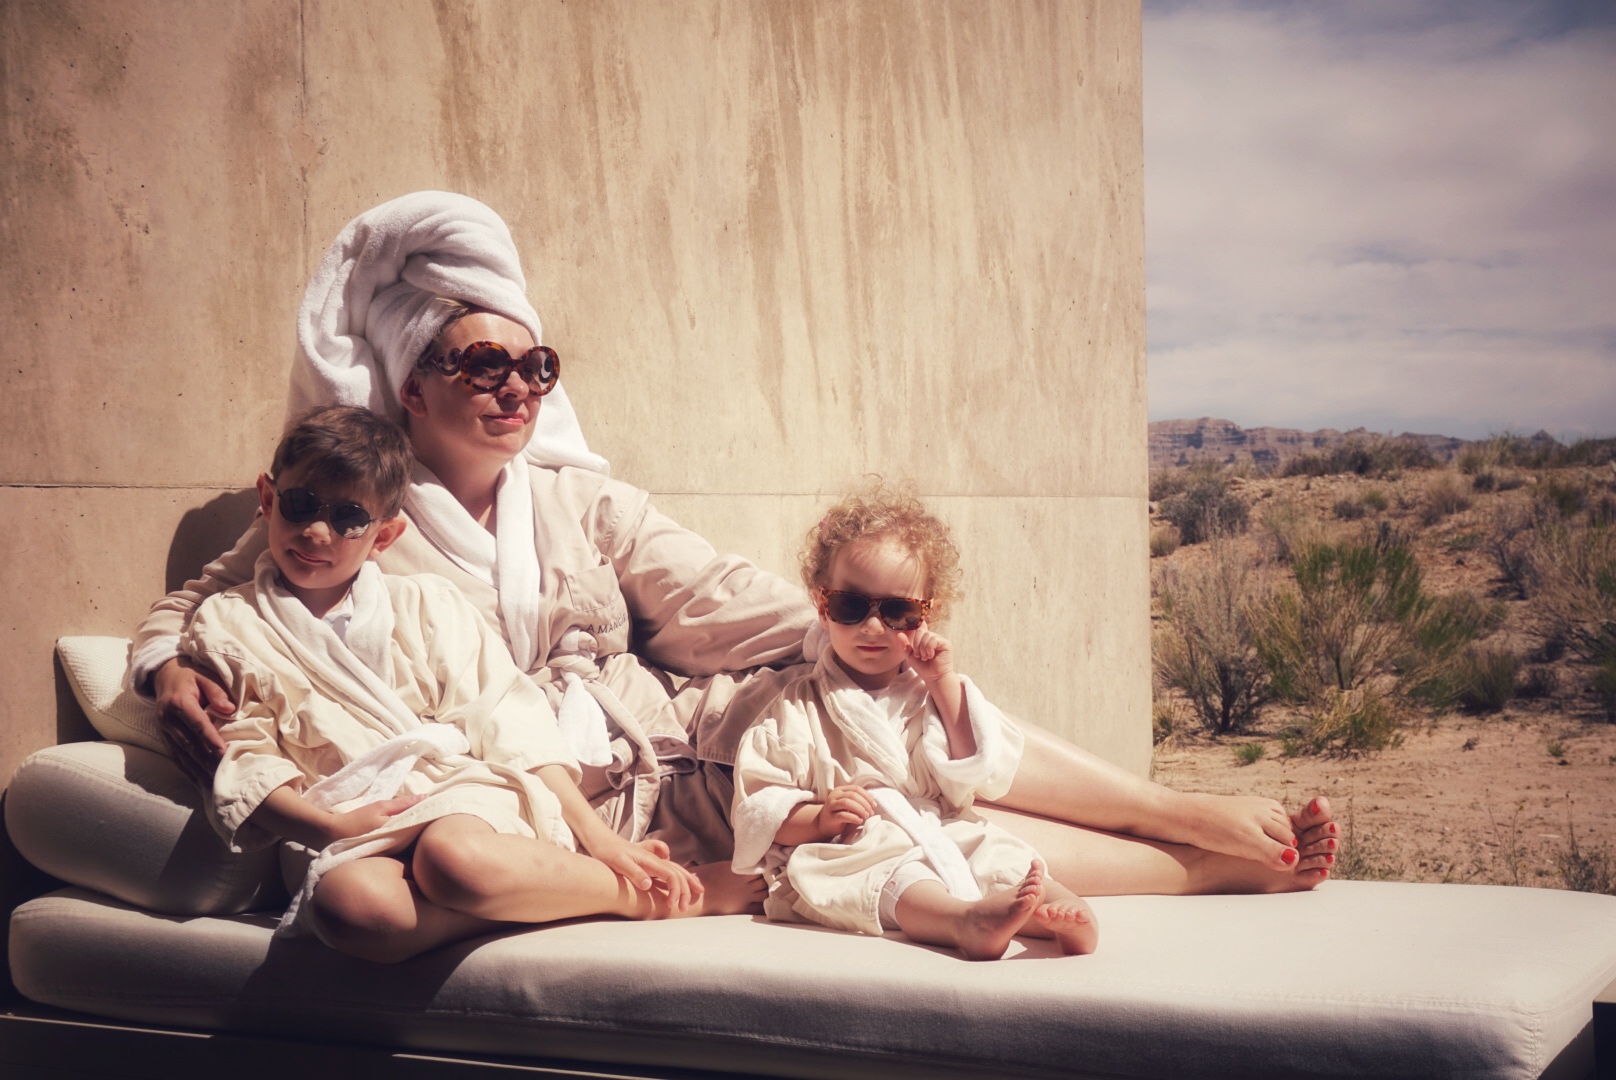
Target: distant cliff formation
1184	442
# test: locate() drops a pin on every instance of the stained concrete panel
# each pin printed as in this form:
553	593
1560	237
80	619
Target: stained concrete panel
1049	623
777	244
90	561
816	239
150	217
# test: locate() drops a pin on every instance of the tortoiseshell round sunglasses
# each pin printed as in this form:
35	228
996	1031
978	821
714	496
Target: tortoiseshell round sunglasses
851	608
485	365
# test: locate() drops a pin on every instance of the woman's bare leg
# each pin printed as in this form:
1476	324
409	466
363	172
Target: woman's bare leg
1058	780
369	909
1092	862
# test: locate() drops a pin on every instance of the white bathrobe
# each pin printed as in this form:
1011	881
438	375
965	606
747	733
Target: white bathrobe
823	732
423	681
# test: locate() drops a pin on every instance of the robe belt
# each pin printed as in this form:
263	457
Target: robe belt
379	772
941	852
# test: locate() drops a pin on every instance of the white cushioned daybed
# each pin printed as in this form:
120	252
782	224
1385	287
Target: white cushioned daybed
1355	979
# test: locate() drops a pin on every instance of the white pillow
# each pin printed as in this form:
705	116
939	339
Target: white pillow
98	671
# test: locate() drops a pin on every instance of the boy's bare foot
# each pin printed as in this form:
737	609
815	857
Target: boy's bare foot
986	927
727	893
1070	921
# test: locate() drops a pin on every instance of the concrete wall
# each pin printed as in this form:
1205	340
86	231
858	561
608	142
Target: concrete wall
778	245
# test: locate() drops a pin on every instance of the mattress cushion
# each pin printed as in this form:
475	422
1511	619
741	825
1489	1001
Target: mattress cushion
1355	979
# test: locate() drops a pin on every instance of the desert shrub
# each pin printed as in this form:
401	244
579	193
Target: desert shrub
1206	647
1538	452
1572	577
1484	479
1602	511
1164	721
1538	681
1249	753
1206	508
1592	871
1164	541
1166	483
1347	619
1445	494
1351	721
1348	509
1374	499
1485	679
1604	686
1567	497
1509	545
1362	856
1363	457
1590	452
1288	527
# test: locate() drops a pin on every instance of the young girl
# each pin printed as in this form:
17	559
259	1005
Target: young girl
853	795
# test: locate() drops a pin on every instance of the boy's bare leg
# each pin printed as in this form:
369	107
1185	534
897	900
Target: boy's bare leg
1095	863
368	909
981	930
729	893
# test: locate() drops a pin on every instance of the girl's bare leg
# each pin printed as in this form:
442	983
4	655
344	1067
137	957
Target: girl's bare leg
369	909
981	930
1058	780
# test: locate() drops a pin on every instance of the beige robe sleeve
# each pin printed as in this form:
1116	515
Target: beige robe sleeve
473	681
773	776
986	774
253	764
157	641
696	612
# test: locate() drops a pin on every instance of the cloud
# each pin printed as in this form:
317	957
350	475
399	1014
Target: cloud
1401	215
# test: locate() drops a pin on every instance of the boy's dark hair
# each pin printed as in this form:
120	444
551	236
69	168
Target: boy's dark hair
349	448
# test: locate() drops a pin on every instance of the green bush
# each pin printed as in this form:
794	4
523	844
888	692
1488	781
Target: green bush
1349	509
1485	679
1352	721
1446	494
1206	509
1572	576
1206	646
1567	497
1374	499
1363	457
1163	541
1249	753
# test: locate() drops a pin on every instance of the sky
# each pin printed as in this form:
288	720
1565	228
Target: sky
1395	214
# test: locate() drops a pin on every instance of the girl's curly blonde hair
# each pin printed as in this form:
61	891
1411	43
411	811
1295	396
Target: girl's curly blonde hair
884	512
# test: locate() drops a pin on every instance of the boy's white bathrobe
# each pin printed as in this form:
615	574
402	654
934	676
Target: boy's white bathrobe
823	732
423	684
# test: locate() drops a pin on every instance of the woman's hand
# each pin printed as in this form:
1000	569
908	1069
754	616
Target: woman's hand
367	818
930	654
189	700
645	866
845	808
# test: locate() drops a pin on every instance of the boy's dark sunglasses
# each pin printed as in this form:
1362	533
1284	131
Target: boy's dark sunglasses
851	608
300	506
485	365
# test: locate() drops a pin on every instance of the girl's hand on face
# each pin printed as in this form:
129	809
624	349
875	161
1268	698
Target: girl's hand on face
930	654
845	808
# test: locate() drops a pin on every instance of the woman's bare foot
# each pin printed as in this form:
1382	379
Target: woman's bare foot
724	892
1318	839
986	927
1245	826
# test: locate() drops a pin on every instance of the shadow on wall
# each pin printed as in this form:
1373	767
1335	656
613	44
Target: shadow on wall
207	532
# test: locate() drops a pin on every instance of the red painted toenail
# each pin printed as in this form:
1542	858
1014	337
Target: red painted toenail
1330	844
1333	828
1329	860
1287	856
1313	807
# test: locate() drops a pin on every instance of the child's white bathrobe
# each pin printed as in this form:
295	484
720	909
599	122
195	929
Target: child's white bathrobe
422	699
823	732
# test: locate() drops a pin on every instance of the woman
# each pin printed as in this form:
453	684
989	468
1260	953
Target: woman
419	310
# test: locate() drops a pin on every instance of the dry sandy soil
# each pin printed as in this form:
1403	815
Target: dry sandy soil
1463	798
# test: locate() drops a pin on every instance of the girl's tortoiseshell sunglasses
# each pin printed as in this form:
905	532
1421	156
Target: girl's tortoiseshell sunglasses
850	608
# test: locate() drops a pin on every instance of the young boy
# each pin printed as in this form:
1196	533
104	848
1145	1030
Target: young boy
383	726
853	794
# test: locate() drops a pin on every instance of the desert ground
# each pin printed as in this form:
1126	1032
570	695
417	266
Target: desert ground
1519	789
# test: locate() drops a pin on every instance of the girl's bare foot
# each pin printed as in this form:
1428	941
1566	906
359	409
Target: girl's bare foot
1070	921
986	927
727	893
